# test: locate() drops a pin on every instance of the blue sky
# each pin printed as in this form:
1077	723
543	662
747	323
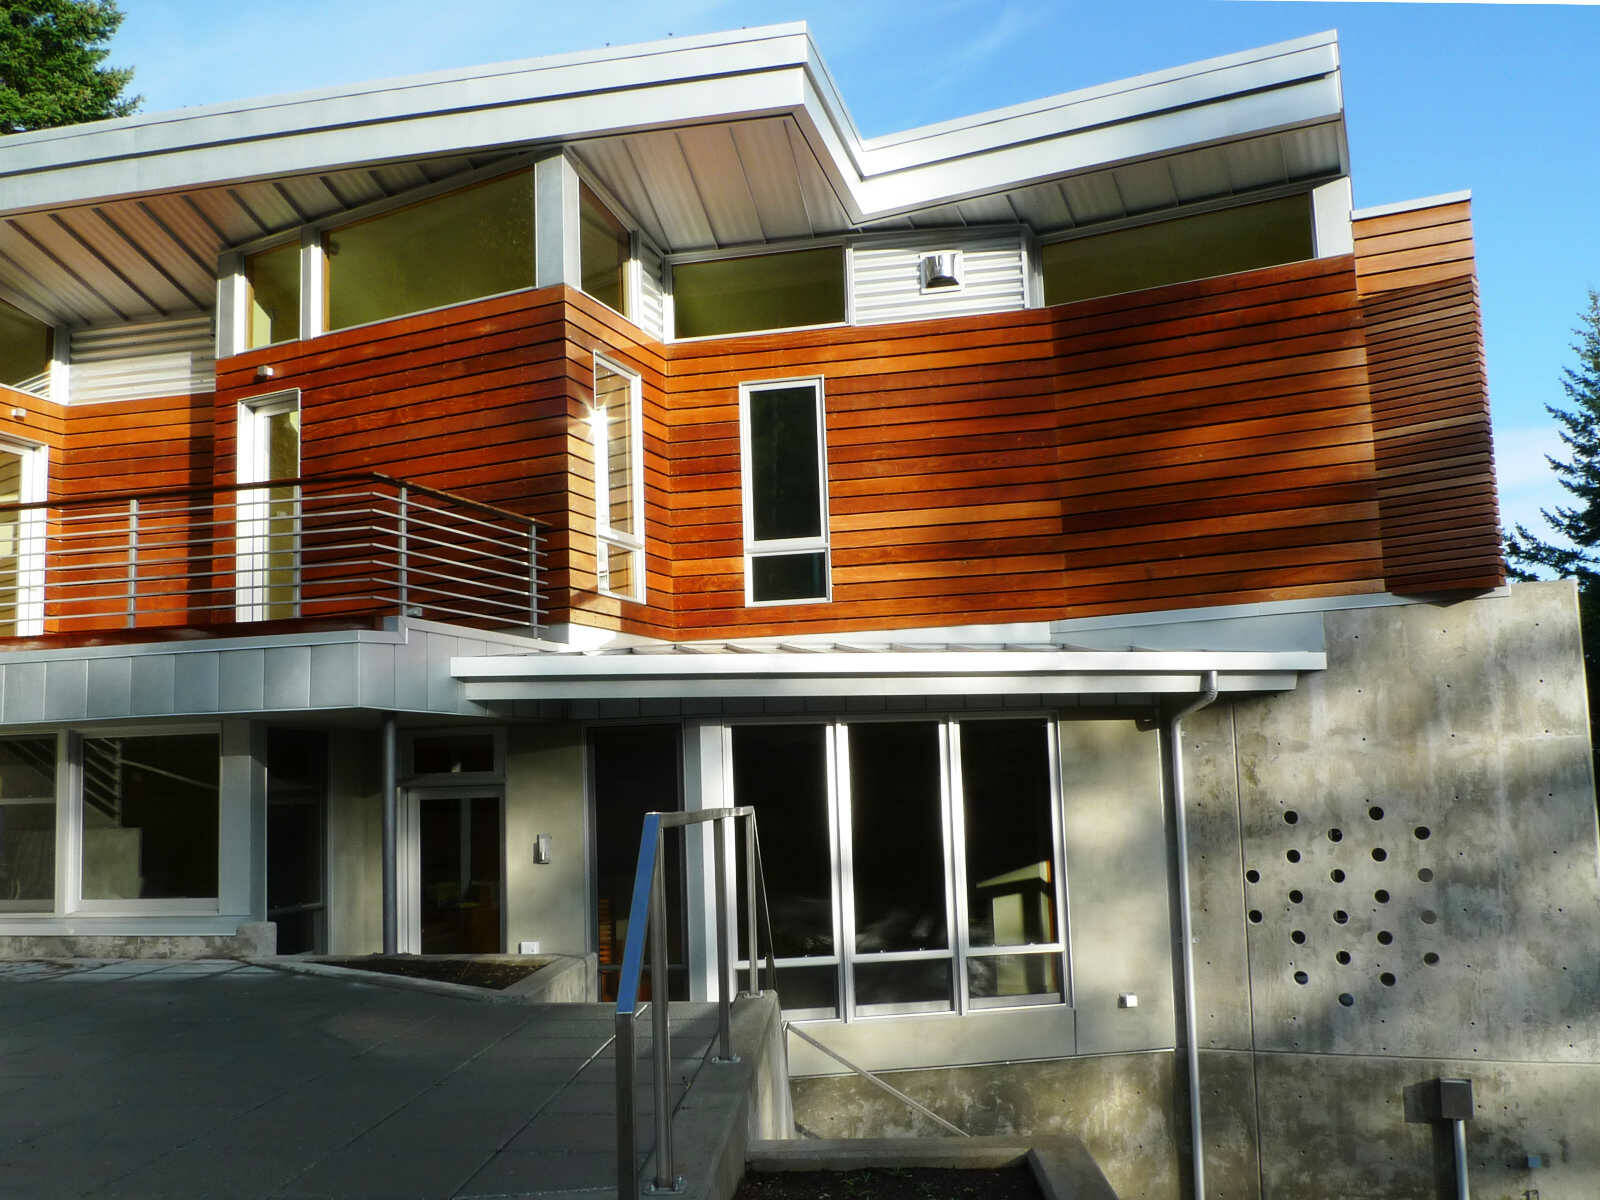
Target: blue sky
1499	99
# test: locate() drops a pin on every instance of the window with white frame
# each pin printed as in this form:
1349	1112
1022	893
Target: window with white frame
785	492
269	517
920	862
616	429
22	538
136	829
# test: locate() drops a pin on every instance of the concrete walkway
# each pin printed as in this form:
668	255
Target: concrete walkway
216	1079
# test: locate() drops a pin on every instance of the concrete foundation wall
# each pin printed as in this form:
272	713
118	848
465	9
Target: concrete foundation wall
1396	876
546	793
255	939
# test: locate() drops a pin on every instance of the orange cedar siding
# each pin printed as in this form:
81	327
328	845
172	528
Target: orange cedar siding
1090	458
1433	446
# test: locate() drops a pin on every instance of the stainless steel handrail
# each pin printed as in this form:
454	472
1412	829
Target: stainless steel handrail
647	917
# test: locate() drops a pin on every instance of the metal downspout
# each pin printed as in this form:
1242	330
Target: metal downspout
1208	693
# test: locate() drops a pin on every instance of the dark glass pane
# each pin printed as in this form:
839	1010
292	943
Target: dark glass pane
298	932
24	348
760	291
897	837
273	277
782	771
603	251
150	817
635	770
27	856
452	754
785	487
475	242
1005	776
925	983
813	990
789	576
296	763
1015	975
461	876
1198	247
28	769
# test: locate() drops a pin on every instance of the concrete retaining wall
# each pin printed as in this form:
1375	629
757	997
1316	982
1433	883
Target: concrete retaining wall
255	939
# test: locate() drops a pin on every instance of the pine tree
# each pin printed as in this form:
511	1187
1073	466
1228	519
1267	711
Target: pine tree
51	53
1578	523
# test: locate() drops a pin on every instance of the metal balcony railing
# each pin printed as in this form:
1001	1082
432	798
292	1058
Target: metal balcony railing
316	548
647	920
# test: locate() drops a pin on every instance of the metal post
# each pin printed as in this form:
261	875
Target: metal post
627	1111
391	911
666	1179
751	941
1458	1137
724	956
404	582
133	563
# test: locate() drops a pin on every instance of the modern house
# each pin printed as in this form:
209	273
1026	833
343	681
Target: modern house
1072	527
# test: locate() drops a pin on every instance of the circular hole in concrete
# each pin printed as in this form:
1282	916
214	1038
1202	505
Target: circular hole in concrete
1422	833
1346	999
1379	854
1385	937
1429	916
1431	958
1381	896
1341	916
1425	875
1336	875
1296	896
1252	876
1292	855
1336	835
1298	937
1375	813
1255	916
1342	958
1386	979
1302	978
1291	817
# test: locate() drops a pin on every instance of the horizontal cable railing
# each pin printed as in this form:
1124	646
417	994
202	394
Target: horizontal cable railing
318	548
647	921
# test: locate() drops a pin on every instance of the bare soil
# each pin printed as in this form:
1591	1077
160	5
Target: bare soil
1015	1182
467	972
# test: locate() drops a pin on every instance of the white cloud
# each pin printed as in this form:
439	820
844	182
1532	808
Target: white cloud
1526	481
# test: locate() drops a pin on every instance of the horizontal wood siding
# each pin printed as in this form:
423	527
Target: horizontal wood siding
1430	400
1201	444
477	399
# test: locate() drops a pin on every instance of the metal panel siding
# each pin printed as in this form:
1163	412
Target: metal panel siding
143	361
197	681
110	687
887	284
650	311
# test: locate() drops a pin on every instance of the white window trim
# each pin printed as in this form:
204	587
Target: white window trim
754	549
250	466
606	535
960	952
31	535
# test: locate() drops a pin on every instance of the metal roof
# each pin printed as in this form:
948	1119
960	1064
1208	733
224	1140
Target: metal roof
716	141
846	669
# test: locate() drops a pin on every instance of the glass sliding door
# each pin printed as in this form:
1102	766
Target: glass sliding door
21	541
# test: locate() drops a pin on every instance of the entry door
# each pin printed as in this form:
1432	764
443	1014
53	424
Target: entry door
21	541
269	517
460	872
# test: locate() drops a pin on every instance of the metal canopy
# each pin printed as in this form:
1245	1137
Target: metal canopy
726	140
701	670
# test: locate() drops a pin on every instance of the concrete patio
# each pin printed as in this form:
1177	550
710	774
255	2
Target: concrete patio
221	1079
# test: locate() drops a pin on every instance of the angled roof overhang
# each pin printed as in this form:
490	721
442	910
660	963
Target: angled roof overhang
724	670
713	141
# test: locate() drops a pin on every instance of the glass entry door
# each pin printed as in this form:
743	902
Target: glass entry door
21	542
461	872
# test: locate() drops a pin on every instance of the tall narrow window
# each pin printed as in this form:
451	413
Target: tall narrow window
604	248
785	492
27	824
269	517
616	429
273	282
